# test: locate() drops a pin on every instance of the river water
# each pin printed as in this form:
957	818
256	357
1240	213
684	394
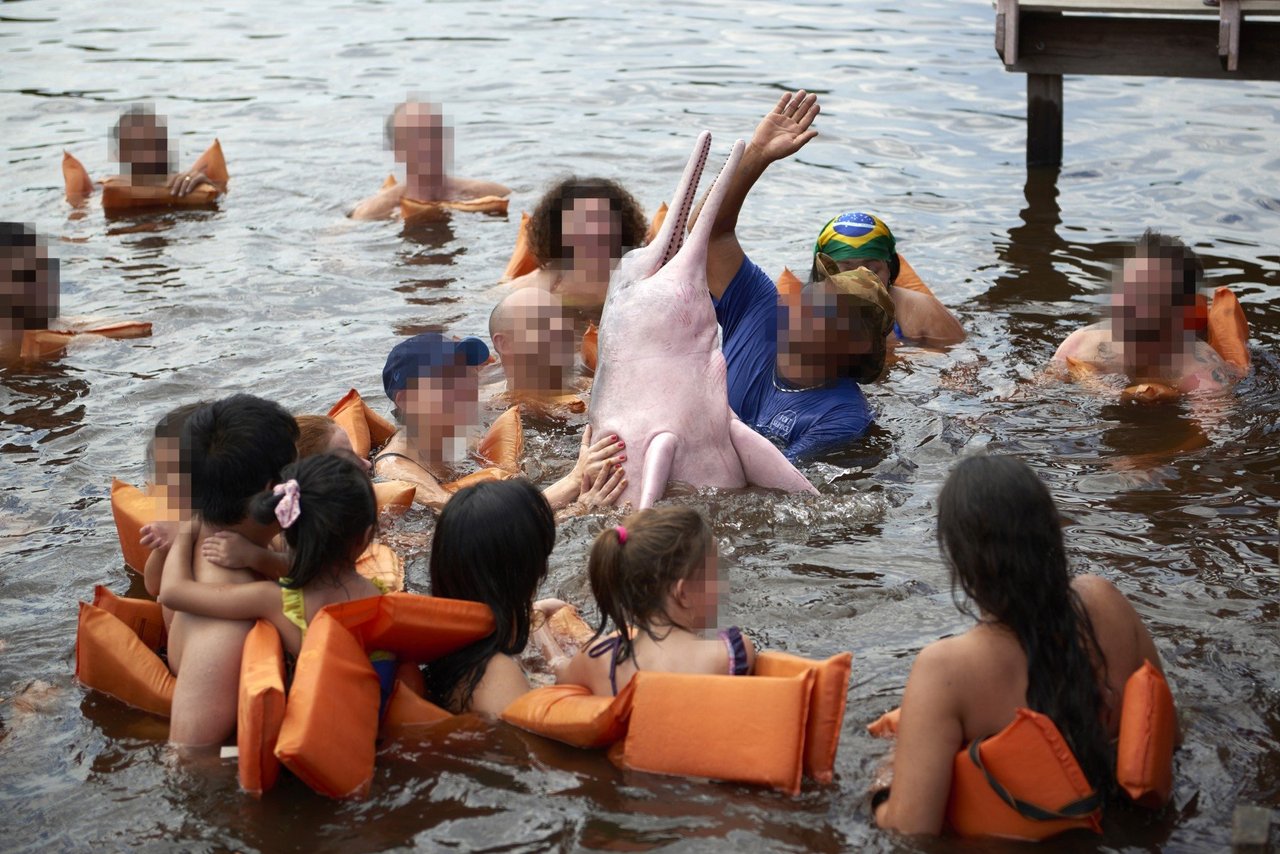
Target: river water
278	294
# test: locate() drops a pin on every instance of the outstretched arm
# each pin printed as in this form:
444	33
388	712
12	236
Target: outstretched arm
782	132
179	591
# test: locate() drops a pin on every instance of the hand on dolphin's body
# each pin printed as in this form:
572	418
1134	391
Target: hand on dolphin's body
660	374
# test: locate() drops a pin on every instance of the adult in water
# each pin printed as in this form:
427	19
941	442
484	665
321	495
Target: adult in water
433	382
29	289
578	231
1149	336
1059	645
417	133
794	371
140	141
858	239
533	336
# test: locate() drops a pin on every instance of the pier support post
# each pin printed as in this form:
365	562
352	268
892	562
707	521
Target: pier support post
1044	120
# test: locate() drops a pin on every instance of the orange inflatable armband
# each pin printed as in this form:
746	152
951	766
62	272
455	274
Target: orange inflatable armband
113	657
381	563
789	286
909	279
120	195
414	627
1021	783
365	428
742	729
573	715
1148	729
394	494
132	508
261	708
590	347
826	705
76	179
523	261
655	225
1228	329
408	711
502	445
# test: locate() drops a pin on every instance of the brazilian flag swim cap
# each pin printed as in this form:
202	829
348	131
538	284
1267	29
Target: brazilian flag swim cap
857	235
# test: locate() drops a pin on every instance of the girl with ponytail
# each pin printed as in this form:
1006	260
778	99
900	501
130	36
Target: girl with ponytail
656	581
326	509
1044	640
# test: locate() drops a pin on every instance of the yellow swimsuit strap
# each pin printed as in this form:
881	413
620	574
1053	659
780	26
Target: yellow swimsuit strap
291	602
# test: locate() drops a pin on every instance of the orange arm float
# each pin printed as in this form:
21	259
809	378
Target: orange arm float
590	347
132	508
1148	729
49	343
365	428
382	564
261	708
118	194
656	225
213	164
1228	329
76	178
523	261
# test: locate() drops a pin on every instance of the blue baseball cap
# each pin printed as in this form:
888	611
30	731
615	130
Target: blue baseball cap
428	355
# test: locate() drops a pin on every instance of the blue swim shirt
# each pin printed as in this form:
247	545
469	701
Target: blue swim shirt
802	423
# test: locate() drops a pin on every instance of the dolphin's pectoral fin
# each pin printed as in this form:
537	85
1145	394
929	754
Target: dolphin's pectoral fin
762	463
657	467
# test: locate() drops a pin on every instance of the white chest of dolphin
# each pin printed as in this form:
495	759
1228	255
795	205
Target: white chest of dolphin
660	376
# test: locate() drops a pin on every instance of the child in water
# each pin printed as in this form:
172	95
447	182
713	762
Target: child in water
326	508
655	578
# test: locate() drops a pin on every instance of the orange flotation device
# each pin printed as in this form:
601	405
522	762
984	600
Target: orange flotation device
786	721
365	428
120	195
116	653
590	347
415	209
330	729
49	343
1024	783
1228	329
789	284
523	261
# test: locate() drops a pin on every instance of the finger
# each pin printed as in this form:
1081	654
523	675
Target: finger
809	115
586	436
782	103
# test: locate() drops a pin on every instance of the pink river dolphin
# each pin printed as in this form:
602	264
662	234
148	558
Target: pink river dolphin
660	375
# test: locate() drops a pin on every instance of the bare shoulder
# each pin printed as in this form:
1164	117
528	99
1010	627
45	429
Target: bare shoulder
471	188
502	684
1090	343
540	278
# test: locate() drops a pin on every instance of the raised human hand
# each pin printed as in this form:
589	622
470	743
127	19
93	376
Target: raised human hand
786	128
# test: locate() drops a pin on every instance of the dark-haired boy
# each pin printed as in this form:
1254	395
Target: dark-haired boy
231	450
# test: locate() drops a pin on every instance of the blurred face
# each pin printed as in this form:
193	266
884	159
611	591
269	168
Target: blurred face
439	412
28	288
421	139
591	230
822	337
542	336
1146	317
703	596
875	265
144	146
341	443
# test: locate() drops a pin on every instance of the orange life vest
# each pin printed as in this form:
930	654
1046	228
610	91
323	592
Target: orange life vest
118	194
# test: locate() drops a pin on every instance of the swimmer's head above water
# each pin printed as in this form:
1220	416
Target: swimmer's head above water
836	328
140	141
433	382
29	289
419	134
584	222
534	339
1153	296
857	239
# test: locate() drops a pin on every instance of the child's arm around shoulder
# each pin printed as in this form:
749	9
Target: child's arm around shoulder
179	590
230	550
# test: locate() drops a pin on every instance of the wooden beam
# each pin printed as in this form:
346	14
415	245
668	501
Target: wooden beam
1229	35
1148	7
1049	43
1007	30
1044	120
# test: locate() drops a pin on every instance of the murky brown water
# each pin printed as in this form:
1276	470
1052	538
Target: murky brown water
276	293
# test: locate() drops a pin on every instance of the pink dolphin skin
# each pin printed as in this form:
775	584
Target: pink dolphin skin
660	376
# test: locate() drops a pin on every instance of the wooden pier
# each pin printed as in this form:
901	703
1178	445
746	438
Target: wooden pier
1045	39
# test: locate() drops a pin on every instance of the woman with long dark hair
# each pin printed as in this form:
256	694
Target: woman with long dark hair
1056	644
491	545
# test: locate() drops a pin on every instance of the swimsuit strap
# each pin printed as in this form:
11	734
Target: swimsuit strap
897	331
394	454
293	606
739	665
611	645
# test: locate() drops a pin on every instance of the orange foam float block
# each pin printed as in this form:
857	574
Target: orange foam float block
678	726
113	654
120	195
789	284
826	704
48	343
573	715
365	428
393	493
1033	767
407	711
522	261
330	727
1150	392
1228	329
132	508
414	209
413	627
1148	730
75	178
382	564
655	224
590	347
502	445
885	726
261	708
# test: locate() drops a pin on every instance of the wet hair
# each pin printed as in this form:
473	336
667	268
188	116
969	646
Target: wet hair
631	581
14	235
1000	533
314	434
546	223
1153	244
232	448
491	545
337	516
28	302
170	427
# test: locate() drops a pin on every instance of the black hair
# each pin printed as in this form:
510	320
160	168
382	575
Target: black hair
232	448
337	515
138	114
631	581
1153	244
170	427
1000	532
17	234
546	224
895	267
491	545
31	301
